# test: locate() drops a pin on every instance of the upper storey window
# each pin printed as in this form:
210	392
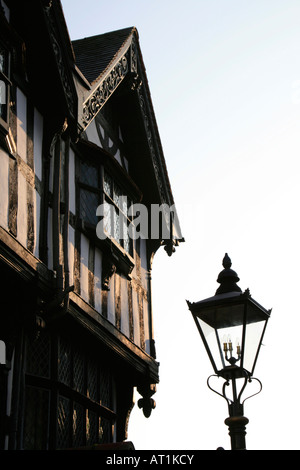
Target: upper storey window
98	187
90	192
7	41
116	220
4	82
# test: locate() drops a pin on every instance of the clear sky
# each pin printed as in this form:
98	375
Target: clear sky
224	77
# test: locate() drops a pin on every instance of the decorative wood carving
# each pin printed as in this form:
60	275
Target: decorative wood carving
147	403
108	271
64	75
112	80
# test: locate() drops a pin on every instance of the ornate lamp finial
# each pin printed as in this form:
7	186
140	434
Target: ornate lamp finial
227	278
226	262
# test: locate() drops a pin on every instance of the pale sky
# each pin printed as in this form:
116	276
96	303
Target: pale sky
224	76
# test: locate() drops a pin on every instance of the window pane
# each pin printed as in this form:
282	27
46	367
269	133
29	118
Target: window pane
78	425
127	239
108	185
64	362
3	98
89	174
105	389
36	419
117	195
108	218
63	423
78	372
38	356
3	86
105	430
3	60
116	225
89	202
92	428
92	380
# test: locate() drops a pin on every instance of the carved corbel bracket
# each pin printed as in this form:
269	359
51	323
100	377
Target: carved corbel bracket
56	306
135	81
147	403
170	247
58	302
108	271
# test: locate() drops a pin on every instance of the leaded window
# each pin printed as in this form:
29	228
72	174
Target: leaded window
4	81
116	219
68	396
90	183
98	187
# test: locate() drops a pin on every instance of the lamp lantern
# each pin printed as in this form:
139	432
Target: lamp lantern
232	326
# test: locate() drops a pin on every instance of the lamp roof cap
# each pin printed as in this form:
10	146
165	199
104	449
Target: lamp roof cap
227	278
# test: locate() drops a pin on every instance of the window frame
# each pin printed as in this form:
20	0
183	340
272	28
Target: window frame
58	391
122	216
90	153
4	78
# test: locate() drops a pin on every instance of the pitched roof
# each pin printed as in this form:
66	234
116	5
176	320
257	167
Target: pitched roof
97	54
94	54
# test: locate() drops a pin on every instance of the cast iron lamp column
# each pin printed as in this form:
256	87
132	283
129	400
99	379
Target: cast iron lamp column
232	325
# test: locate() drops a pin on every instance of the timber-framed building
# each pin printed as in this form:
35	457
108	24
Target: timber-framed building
77	132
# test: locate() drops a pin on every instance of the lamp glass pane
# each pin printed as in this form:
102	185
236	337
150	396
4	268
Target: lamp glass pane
213	344
253	339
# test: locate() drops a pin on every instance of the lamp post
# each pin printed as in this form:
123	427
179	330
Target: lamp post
232	325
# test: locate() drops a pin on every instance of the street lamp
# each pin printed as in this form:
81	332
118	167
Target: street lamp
232	325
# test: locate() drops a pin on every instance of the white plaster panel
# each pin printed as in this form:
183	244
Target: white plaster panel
146	325
144	270
21	124
136	318
22	227
71	254
124	307
98	280
51	173
38	143
92	134
111	314
4	188
118	156
84	268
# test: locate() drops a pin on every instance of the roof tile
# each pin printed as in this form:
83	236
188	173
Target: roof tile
94	54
